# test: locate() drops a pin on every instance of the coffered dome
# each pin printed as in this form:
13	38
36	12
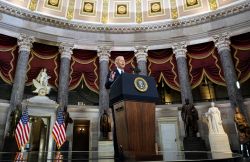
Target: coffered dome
122	12
155	23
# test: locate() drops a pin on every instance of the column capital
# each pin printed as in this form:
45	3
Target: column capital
66	50
103	52
222	41
25	42
141	53
180	49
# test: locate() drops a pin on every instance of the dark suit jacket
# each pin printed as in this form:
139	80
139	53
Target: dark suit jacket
108	82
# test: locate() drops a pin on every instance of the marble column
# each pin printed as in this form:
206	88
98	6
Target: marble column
180	51
66	52
222	42
25	44
141	53
103	54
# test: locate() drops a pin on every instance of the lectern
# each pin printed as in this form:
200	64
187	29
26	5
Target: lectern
133	98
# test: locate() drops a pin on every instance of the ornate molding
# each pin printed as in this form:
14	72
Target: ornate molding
25	42
70	10
33	5
222	41
103	52
90	27
66	50
141	53
138	11
105	6
180	49
213	4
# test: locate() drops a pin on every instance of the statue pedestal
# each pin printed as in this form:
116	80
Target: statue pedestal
219	142
41	99
106	151
194	144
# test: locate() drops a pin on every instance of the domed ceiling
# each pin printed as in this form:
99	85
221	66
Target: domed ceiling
121	11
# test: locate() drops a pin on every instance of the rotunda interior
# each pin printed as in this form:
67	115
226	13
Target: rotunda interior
194	49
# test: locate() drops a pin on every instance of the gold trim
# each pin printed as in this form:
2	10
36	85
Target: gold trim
122	9
70	11
141	84
138	11
33	5
190	5
54	5
213	4
105	8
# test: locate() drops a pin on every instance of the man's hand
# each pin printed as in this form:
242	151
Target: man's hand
112	76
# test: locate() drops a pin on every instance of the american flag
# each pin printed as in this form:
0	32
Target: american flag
22	130
58	132
21	157
58	157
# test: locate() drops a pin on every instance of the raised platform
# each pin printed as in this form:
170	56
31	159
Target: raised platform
96	156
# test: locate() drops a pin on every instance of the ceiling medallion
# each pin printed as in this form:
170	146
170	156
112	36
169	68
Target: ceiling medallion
191	2
121	9
88	7
155	7
53	2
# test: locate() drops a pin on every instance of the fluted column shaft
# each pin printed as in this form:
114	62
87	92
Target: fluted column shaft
25	44
141	54
103	54
66	52
222	42
180	51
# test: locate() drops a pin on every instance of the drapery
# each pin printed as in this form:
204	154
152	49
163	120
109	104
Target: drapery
84	69
202	60
162	66
43	56
241	55
8	58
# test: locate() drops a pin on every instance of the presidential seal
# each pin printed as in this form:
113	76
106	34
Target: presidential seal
141	84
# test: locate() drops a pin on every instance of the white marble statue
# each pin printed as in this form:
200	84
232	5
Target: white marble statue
214	120
218	139
41	83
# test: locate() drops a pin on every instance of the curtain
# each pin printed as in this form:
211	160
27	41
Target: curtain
162	66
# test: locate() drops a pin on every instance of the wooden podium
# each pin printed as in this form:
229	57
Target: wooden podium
133	98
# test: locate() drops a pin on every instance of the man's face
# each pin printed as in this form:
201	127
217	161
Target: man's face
121	63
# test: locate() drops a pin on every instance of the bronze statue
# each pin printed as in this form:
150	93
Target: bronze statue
15	117
67	118
105	125
190	116
242	126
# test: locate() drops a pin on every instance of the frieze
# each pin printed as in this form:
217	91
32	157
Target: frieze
185	22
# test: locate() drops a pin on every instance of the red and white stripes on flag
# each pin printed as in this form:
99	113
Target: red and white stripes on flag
21	157
22	130
58	157
58	132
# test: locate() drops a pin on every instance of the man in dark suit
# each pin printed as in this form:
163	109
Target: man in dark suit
113	75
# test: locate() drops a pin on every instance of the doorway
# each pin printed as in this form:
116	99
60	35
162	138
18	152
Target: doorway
169	137
80	146
39	135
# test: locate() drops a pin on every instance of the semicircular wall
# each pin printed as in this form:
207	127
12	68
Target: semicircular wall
230	16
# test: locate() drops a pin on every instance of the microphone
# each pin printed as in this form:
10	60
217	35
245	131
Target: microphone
135	70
